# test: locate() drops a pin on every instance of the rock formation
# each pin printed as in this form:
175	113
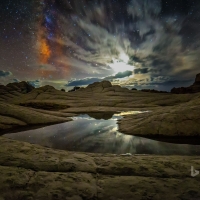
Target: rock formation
194	88
172	115
33	172
153	91
104	87
74	89
134	89
23	87
14	89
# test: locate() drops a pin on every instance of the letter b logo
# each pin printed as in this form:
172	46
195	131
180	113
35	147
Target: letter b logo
194	172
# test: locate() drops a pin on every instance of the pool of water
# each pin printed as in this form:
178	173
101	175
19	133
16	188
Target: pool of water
98	132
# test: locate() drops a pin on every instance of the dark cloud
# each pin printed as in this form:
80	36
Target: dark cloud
16	80
5	73
119	75
133	59
141	71
81	82
35	83
87	81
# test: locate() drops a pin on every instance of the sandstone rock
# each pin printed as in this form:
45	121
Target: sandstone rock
103	84
93	85
191	89
14	89
98	89
23	87
106	84
13	117
46	88
197	80
34	172
110	89
96	98
117	88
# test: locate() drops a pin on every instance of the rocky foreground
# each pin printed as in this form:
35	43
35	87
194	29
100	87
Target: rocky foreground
34	172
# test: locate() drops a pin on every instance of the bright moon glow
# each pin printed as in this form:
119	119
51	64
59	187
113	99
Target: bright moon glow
121	67
121	64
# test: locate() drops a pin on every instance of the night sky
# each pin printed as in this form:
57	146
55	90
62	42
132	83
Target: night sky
133	43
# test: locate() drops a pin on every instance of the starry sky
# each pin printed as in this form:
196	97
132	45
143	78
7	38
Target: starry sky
132	43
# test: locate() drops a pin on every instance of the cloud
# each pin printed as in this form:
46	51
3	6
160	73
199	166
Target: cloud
119	75
87	81
15	80
5	73
35	83
81	82
141	70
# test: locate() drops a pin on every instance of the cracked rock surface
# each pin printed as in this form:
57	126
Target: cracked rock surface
34	172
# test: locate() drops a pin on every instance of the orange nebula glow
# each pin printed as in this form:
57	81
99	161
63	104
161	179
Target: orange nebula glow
44	50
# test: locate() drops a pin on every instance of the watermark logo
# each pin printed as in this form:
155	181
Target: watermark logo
194	172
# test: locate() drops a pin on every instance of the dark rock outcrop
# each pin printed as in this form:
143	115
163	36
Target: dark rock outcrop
197	80
133	89
74	89
191	89
153	91
103	84
22	87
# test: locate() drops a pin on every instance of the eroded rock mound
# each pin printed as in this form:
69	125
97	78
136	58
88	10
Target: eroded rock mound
14	89
99	86
104	86
191	89
23	87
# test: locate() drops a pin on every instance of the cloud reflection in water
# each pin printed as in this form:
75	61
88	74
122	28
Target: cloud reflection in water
101	136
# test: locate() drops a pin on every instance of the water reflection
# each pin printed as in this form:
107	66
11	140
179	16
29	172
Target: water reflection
98	135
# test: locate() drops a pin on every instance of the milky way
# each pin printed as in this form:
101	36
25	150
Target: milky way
134	43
